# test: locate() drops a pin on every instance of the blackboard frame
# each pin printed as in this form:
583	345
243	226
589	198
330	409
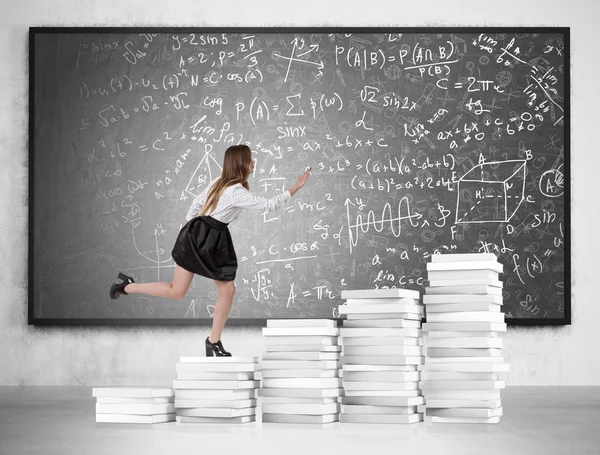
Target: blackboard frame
33	320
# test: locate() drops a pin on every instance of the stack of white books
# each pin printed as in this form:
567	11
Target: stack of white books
216	389
300	371
464	369
134	404
382	348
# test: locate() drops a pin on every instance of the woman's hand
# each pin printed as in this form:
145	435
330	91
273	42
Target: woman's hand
300	182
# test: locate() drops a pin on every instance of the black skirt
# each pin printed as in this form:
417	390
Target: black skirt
204	247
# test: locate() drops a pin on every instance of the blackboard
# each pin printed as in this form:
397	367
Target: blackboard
421	141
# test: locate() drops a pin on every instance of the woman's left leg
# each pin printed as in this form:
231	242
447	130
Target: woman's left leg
222	308
175	290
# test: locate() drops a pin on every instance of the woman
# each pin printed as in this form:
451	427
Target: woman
204	245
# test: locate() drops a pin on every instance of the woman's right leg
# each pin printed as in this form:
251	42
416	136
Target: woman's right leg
222	308
175	290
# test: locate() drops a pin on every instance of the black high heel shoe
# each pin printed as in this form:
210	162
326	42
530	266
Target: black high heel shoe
117	289
215	349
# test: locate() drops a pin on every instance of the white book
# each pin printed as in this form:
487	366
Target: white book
379	293
463	352
216	412
372	385
382	393
130	418
466	316
383	401
301	393
132	392
215	394
302	383
465	343
215	376
383	350
470	282
291	418
381	418
216	368
298	364
468	367
216	385
459	307
300	356
372	368
381	341
300	340
434	360
301	373
434	419
402	301
298	400
464	403
218	360
300	331
482	274
367	316
384	309
221	420
382	376
463	376
461	385
445	394
379	332
460	257
198	372
480	289
435	299
467	326
466	412
127	400
137	409
382	360
233	404
303	348
393	410
281	323
470	265
383	323
456	334
301	408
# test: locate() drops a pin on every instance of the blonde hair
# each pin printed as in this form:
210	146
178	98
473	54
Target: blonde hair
236	169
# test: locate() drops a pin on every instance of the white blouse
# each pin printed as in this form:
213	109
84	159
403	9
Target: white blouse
234	199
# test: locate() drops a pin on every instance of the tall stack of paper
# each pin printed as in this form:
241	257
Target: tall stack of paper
464	369
134	404
300	371
381	343
216	389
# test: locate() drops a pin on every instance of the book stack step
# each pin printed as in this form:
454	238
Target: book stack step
464	369
134	404
381	350
300	371
216	389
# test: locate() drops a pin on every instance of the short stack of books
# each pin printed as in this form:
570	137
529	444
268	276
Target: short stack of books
464	369
381	349
300	371
134	404
216	389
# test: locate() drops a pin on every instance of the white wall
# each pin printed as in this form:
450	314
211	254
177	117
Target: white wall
146	355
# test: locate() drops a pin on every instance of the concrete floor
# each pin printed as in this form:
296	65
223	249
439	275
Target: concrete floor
537	420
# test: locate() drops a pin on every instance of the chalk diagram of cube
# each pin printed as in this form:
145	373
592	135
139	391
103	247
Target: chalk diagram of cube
491	192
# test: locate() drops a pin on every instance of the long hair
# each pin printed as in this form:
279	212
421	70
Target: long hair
236	169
